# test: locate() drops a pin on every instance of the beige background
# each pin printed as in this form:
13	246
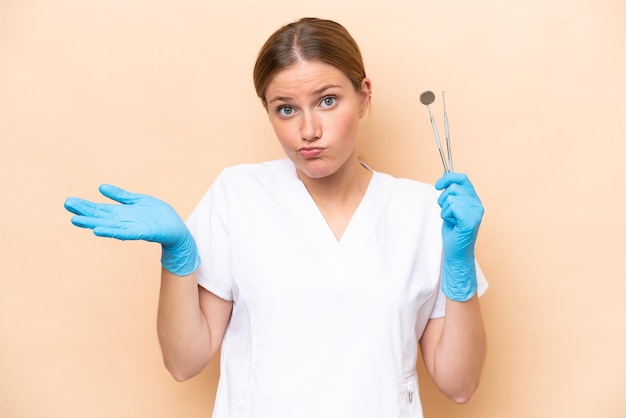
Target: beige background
156	96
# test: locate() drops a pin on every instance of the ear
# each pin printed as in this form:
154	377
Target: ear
366	95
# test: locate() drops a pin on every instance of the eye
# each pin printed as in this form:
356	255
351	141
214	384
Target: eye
328	102
285	111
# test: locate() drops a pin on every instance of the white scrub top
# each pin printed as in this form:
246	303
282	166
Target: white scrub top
320	327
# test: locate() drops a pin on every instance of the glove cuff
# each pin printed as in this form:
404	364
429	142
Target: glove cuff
182	260
458	280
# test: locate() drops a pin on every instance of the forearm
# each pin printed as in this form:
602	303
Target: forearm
182	328
460	352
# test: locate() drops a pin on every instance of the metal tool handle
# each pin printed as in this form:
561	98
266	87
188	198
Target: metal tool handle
436	132
447	128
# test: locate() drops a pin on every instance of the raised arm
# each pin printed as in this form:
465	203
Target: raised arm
191	320
454	347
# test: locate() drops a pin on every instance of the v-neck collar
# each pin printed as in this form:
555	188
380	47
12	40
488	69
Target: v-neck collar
361	223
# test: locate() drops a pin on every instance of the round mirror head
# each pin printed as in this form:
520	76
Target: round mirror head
427	97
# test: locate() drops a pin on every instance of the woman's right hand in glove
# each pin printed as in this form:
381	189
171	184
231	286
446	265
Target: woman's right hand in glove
139	217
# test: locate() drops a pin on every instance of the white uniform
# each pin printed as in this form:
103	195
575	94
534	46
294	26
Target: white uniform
320	327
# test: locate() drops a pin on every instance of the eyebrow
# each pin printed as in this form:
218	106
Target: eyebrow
315	93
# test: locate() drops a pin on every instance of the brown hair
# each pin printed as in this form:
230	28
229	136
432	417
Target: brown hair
308	39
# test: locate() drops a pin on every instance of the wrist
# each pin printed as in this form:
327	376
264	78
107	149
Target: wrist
458	280
182	258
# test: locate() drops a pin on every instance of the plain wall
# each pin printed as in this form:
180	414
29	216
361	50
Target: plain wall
156	96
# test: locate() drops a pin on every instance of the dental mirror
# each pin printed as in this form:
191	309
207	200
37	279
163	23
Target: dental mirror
427	98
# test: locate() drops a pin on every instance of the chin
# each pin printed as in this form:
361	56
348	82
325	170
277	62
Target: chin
315	169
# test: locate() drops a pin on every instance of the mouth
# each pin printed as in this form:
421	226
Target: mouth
310	152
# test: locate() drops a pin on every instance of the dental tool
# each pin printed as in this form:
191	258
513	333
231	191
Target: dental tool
447	129
427	98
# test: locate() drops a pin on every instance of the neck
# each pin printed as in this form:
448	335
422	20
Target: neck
345	187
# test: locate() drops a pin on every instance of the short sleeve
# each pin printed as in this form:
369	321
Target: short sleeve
439	309
208	223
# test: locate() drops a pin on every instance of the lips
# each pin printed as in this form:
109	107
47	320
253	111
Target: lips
310	152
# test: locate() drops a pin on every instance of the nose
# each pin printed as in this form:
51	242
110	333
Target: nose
311	129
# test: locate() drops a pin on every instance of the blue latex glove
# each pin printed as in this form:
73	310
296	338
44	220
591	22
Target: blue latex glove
462	212
139	217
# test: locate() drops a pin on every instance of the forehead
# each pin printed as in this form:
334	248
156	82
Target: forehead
304	76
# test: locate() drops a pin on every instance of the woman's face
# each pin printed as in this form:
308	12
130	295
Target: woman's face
315	112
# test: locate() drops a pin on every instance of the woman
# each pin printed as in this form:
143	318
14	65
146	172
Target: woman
319	276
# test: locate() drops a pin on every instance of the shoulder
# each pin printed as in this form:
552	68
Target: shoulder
243	185
411	200
406	189
408	204
410	210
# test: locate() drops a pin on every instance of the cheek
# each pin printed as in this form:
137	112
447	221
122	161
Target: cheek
345	124
282	131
